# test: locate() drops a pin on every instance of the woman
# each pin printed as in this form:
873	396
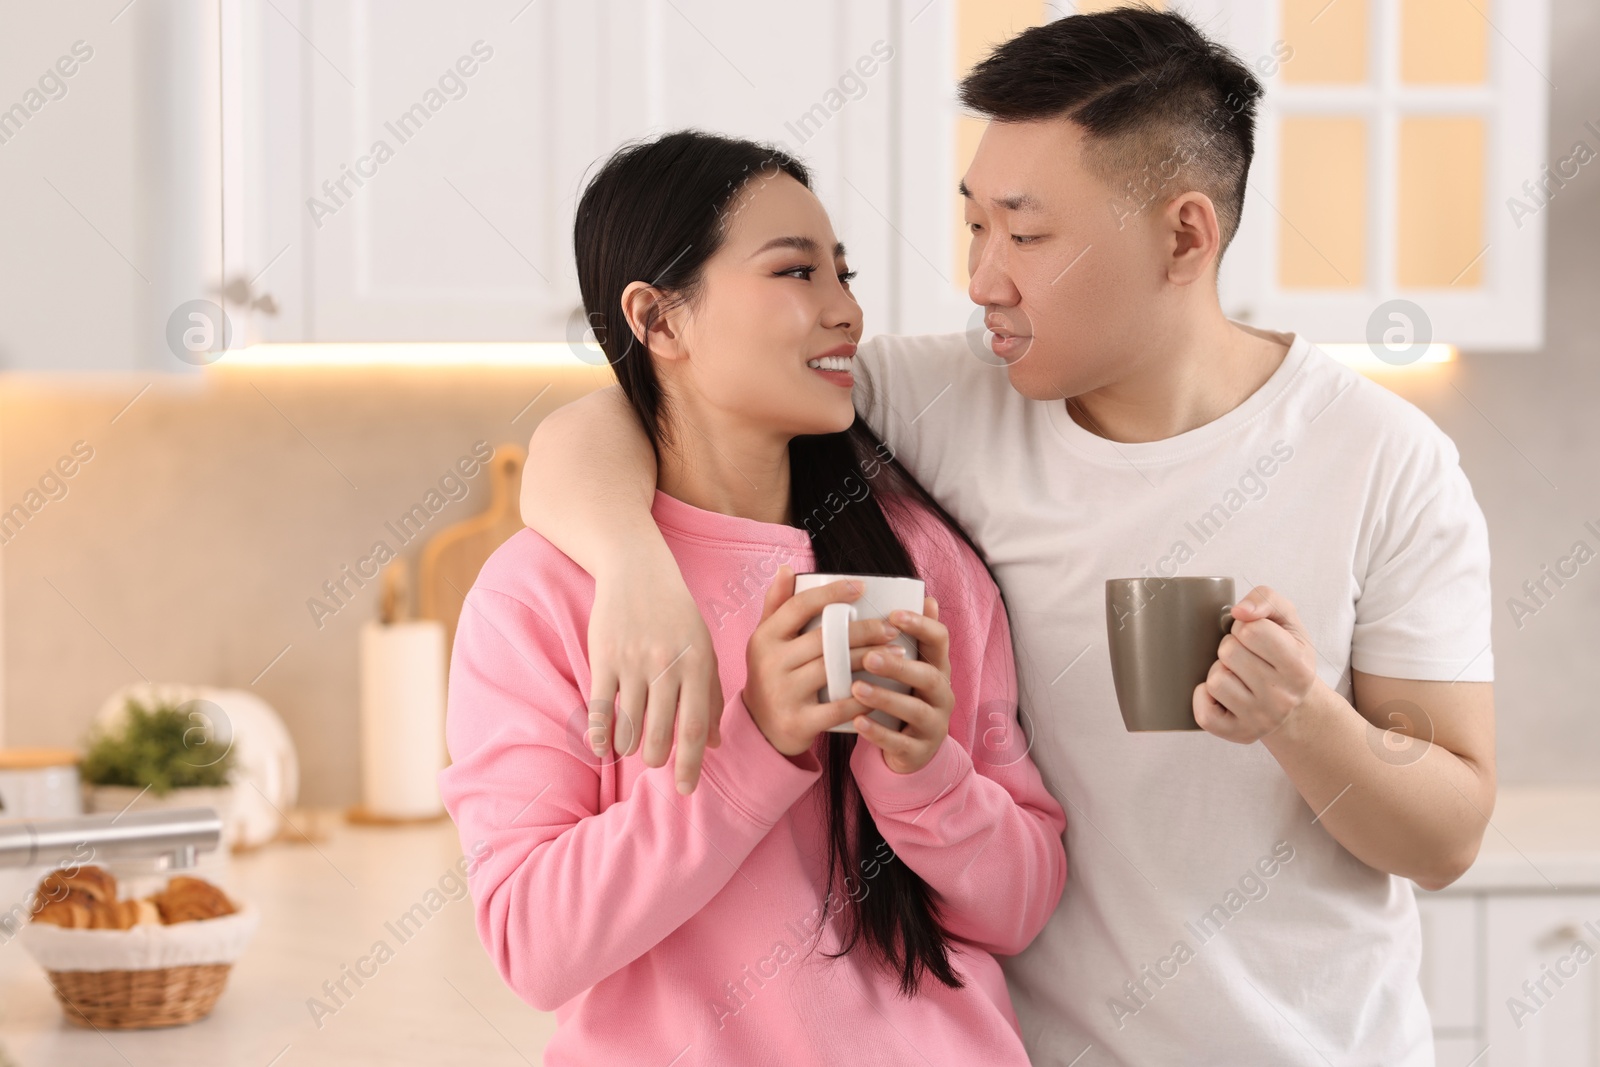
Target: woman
823	897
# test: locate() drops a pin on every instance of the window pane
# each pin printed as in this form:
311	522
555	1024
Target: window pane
980	26
1329	38
1323	171
1443	42
1441	201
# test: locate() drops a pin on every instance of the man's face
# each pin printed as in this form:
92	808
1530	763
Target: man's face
1071	282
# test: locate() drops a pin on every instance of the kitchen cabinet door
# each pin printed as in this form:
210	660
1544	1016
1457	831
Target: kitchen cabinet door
406	171
109	176
382	192
1543	974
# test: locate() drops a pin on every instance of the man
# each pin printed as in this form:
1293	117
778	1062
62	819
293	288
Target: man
1237	896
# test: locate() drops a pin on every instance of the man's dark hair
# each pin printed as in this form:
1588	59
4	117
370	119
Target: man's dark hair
1164	109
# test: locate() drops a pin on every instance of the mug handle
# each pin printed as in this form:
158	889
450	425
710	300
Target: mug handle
1226	618
836	618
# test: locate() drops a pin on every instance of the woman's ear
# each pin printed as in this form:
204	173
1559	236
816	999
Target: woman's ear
665	338
1194	237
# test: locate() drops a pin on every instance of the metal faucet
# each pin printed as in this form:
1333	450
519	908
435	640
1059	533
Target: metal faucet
174	836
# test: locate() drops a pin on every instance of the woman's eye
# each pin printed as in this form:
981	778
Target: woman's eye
805	273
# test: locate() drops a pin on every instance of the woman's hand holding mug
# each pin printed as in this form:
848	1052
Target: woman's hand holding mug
926	709
784	667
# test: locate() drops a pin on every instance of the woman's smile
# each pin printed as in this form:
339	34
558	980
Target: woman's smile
835	364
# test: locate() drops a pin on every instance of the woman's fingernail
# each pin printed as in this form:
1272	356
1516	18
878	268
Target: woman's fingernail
890	631
684	788
861	689
874	660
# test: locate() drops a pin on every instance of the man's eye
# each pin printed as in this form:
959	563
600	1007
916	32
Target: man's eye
1024	239
974	226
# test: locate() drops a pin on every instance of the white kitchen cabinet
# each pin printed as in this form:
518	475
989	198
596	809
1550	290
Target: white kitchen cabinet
1520	916
347	223
1543	980
110	180
229	151
406	170
1480	948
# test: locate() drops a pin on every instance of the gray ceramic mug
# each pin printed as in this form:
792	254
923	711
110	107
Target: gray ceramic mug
1164	634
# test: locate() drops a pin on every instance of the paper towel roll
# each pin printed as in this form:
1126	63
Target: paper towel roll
402	718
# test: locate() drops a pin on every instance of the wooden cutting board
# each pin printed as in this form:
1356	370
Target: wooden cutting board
452	559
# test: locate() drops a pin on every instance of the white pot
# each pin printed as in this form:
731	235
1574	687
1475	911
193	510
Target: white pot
266	769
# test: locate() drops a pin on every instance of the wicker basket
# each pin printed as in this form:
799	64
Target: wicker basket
127	1000
142	977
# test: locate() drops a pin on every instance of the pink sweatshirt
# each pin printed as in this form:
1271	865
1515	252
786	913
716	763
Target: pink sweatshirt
664	929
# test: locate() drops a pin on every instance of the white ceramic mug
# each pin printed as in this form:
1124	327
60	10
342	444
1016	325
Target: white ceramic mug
881	595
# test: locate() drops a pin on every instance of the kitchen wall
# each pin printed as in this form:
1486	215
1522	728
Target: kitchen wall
185	548
212	508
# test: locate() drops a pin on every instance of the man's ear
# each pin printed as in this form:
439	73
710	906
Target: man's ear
1193	237
666	339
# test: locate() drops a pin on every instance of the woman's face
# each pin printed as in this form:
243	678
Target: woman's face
772	337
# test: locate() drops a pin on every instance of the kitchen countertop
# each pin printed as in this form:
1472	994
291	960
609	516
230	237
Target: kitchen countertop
1539	840
439	999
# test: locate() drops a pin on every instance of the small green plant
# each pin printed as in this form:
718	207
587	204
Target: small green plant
166	747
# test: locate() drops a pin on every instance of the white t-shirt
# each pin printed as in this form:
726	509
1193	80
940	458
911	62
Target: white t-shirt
1206	919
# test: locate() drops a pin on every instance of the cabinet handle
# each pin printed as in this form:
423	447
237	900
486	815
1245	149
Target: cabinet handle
239	292
1563	935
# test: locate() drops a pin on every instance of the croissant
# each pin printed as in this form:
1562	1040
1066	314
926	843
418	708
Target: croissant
191	899
122	914
73	909
105	915
95	882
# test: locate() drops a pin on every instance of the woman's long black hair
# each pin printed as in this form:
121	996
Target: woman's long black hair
655	211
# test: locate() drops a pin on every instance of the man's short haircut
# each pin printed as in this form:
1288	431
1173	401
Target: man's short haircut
1164	109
